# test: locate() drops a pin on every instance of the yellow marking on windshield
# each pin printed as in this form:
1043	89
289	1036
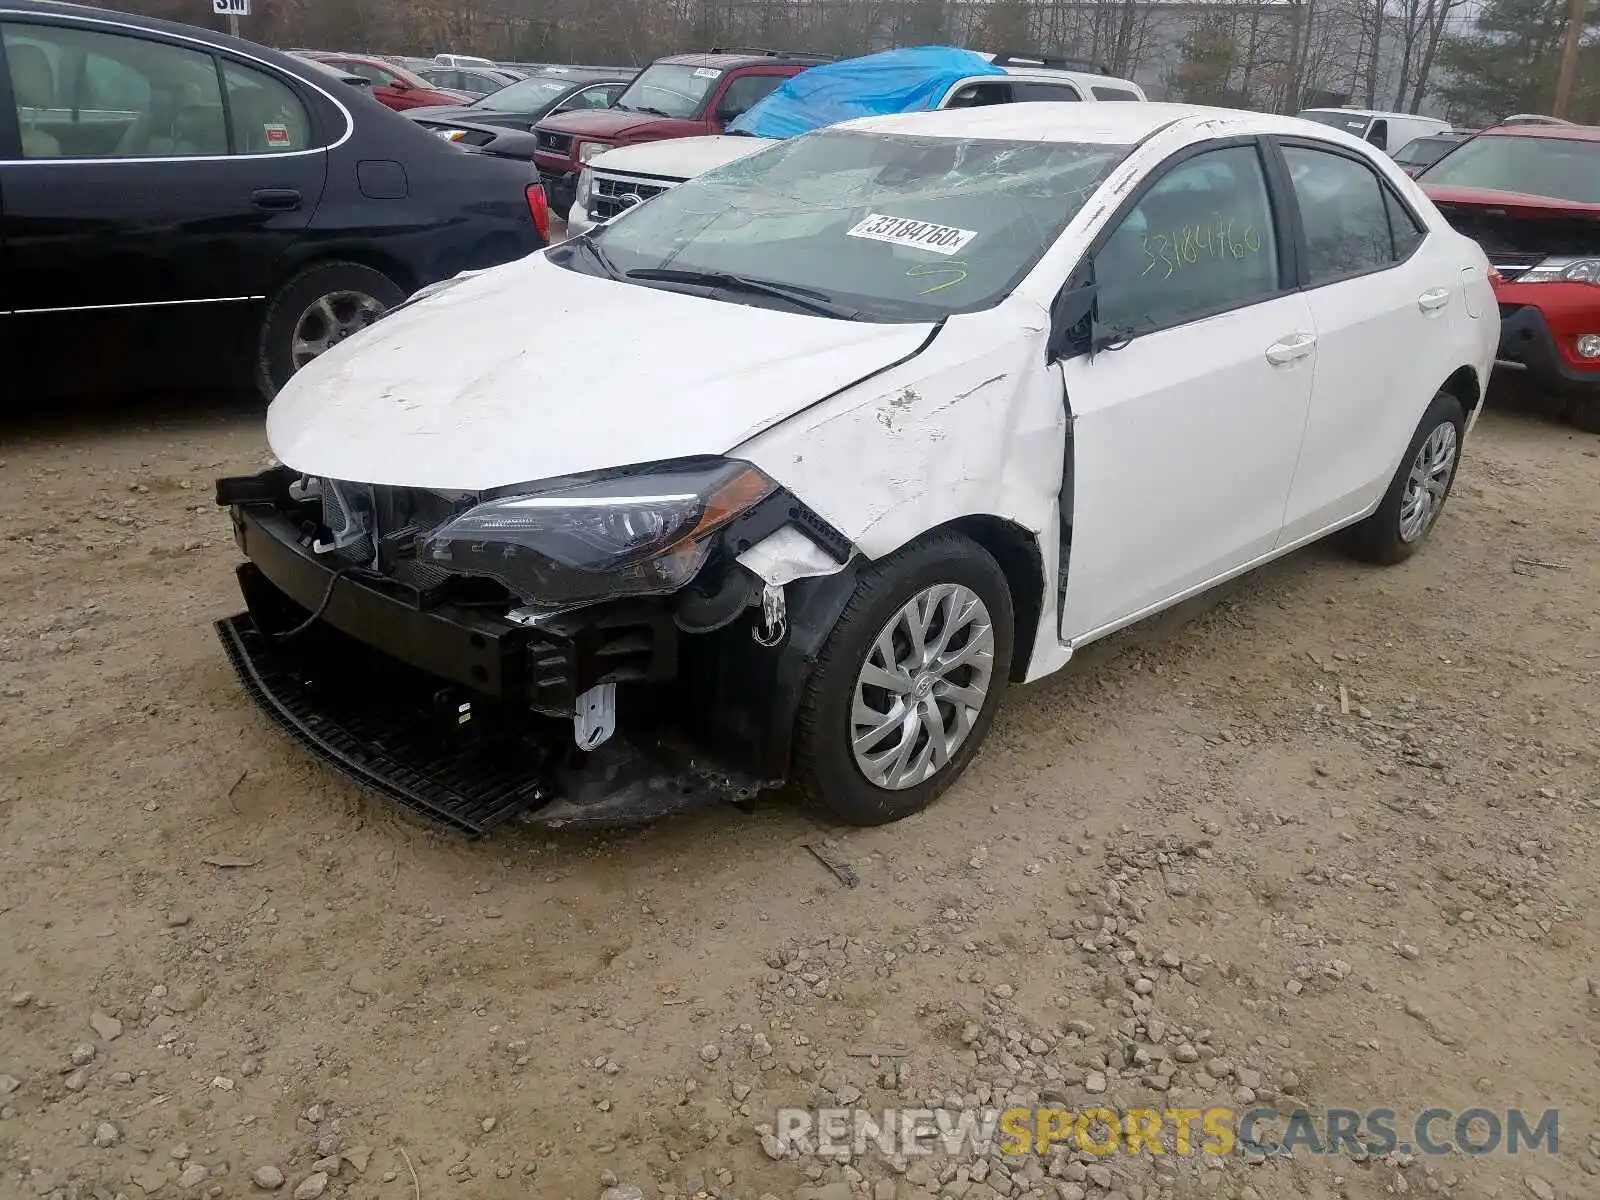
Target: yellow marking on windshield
922	270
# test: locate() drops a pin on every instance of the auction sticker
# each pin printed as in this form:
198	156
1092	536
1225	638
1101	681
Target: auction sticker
706	72
277	135
919	235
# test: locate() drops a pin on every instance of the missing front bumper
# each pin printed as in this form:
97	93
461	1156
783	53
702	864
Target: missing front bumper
403	738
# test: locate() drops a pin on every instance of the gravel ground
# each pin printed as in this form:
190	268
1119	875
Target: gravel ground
1326	839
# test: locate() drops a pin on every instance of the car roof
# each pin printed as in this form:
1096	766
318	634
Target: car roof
1054	74
729	59
1111	124
1378	112
1570	133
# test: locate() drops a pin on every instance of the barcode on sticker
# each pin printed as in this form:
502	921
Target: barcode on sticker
920	235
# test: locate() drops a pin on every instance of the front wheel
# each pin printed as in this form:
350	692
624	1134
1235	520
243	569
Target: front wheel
315	311
1416	495
908	683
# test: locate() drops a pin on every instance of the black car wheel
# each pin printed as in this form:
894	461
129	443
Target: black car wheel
315	311
907	684
1416	495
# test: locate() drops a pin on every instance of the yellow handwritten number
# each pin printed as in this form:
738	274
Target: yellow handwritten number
924	270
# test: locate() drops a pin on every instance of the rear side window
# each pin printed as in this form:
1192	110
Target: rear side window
85	94
266	115
1403	225
977	95
1034	89
1345	210
1111	93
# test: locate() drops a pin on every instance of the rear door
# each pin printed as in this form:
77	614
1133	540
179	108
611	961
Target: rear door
1382	298
151	191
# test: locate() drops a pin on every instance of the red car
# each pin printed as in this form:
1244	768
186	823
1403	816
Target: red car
683	95
1530	196
392	85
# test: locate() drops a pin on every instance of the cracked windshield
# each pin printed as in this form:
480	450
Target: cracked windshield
881	228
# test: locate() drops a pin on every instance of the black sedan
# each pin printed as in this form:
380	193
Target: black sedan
182	208
524	104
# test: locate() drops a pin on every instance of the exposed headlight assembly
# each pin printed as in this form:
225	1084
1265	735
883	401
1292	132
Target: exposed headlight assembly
570	542
580	197
588	150
1563	270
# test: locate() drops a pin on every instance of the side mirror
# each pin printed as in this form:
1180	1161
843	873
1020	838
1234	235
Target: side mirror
1072	321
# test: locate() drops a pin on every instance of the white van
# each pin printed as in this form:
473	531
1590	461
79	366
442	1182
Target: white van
456	61
1388	131
628	175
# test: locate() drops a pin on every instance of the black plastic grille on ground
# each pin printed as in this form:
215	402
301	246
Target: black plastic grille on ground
381	744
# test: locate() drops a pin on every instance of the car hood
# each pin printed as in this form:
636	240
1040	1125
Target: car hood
530	371
1512	223
604	124
680	158
441	110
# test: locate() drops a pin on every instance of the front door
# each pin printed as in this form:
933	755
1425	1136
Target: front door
144	217
1186	429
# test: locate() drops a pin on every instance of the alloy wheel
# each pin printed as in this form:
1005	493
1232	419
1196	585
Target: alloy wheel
328	321
922	686
1428	482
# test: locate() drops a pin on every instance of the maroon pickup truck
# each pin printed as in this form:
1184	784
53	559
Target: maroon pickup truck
684	95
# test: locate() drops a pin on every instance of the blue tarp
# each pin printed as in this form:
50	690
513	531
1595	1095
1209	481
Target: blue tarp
895	81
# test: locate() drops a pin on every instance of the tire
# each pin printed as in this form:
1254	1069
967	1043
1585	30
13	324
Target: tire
943	573
338	282
1396	531
1583	413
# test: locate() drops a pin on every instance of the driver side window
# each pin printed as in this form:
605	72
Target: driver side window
1200	241
741	95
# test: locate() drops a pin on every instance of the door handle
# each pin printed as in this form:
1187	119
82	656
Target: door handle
276	199
1291	349
1433	299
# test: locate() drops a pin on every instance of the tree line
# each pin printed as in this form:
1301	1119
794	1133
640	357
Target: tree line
1473	60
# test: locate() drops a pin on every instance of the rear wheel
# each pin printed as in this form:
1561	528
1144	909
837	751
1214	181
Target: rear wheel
315	311
1418	491
908	683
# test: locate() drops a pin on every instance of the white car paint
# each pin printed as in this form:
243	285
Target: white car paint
1195	457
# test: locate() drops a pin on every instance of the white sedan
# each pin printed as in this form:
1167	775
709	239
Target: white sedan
864	426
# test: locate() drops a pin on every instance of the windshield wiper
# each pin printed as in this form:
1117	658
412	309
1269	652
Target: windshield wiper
600	256
801	297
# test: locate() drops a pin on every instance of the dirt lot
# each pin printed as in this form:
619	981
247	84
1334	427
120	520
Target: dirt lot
1327	839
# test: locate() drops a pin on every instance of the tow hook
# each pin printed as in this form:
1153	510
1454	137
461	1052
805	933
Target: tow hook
774	619
596	717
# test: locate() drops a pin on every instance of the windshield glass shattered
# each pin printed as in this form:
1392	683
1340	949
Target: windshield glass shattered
880	226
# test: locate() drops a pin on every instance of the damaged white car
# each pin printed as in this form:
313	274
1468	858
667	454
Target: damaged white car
785	475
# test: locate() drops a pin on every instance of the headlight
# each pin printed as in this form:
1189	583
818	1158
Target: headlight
587	150
450	135
580	198
1563	270
599	537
